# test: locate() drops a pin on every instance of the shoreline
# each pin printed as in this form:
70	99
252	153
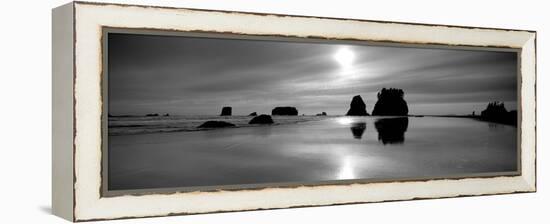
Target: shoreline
195	129
176	129
476	117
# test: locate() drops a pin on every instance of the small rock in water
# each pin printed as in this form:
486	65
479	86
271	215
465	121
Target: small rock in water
216	124
262	119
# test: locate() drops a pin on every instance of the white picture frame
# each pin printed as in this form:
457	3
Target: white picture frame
78	110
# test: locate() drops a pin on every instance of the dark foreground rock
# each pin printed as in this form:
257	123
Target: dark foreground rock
322	114
496	112
390	103
285	111
253	114
226	111
262	119
357	107
216	124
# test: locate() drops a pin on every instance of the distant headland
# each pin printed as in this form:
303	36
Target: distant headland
496	112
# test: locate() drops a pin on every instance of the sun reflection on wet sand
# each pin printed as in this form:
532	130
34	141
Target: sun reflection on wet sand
346	170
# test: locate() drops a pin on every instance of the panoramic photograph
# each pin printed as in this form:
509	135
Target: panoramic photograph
191	112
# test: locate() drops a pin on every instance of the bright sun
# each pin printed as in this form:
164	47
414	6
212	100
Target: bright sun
344	57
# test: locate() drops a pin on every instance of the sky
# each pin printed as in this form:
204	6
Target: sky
199	76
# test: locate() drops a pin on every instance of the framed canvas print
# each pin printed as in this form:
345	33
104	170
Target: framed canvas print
165	111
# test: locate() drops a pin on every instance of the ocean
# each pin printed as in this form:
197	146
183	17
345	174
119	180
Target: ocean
168	152
127	125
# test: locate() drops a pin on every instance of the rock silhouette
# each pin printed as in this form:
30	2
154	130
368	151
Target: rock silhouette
285	111
496	112
226	111
391	130
322	114
216	124
262	119
390	103
253	114
166	115
357	129
152	115
357	107
494	109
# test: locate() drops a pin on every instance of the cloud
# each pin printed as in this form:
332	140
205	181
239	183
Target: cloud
183	75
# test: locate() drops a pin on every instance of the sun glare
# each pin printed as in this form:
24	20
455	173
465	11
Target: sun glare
344	56
344	120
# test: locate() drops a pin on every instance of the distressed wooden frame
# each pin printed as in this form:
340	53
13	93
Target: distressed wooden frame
78	110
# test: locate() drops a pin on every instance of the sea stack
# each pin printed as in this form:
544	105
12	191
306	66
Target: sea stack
357	107
391	103
285	111
226	111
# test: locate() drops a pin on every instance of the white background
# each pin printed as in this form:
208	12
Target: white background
25	87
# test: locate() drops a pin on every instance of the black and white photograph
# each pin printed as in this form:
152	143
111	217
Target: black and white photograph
213	110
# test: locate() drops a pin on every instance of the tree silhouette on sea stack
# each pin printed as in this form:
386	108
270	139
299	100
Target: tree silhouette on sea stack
496	112
391	103
494	109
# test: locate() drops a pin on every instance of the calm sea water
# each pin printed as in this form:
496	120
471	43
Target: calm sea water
156	124
163	152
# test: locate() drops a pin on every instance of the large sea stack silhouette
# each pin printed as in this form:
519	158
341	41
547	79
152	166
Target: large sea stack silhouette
226	111
390	103
496	112
285	111
357	107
